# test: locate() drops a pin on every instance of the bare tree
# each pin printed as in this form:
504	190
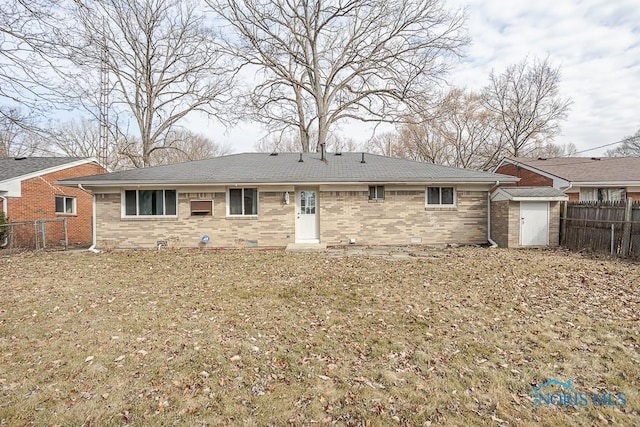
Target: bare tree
630	147
19	136
81	138
466	126
26	28
526	100
162	61
323	61
274	144
185	146
551	149
385	144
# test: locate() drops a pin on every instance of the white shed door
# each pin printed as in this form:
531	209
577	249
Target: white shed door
534	223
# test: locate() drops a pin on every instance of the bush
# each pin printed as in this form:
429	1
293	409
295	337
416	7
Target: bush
3	220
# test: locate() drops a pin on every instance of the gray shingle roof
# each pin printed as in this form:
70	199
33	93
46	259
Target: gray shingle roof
285	168
586	169
14	167
533	192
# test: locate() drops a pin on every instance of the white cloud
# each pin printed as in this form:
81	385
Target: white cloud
596	43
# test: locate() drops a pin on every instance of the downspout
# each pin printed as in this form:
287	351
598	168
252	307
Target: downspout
92	248
5	238
491	242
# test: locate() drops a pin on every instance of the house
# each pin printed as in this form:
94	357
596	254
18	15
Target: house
581	178
28	192
257	199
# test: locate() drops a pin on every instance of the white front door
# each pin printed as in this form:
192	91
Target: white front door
534	223
307	216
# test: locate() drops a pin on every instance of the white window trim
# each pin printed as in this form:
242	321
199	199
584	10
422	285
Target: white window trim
439	205
123	204
377	199
228	203
74	202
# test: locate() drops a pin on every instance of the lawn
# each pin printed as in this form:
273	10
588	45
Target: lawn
248	337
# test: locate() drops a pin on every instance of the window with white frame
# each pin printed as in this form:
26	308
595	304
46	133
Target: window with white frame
242	201
376	192
602	194
150	203
65	205
441	196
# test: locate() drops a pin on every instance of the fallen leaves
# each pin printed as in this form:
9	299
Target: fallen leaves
262	337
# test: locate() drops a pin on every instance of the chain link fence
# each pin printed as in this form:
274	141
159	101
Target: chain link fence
42	234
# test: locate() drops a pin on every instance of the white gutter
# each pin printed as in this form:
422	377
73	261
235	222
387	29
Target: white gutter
491	242
94	222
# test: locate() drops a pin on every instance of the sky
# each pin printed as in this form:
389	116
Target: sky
595	43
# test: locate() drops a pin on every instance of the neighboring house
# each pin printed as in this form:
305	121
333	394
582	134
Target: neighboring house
580	178
28	192
257	199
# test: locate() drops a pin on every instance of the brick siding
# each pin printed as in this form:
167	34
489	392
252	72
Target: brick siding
401	217
527	177
505	223
342	216
38	202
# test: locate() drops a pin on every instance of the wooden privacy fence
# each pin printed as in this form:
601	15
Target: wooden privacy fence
612	227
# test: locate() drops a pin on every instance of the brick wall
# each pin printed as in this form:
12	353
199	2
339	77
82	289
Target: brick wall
554	224
38	202
401	217
500	222
505	223
527	178
343	215
274	225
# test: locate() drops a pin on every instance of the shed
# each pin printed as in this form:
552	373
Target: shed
526	216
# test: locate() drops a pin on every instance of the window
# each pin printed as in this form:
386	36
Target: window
65	205
376	192
602	194
201	208
243	201
150	203
440	196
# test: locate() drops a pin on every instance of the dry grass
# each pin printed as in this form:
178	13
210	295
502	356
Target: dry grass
458	337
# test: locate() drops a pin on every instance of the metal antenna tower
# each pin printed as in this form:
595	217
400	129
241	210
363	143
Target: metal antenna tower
103	147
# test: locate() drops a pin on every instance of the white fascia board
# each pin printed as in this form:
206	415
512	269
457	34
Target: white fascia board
606	184
541	199
165	184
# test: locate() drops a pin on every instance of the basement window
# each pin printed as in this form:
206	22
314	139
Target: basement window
65	205
376	192
441	196
150	203
201	207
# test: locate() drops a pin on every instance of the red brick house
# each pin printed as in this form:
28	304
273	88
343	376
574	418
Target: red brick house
29	192
580	178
